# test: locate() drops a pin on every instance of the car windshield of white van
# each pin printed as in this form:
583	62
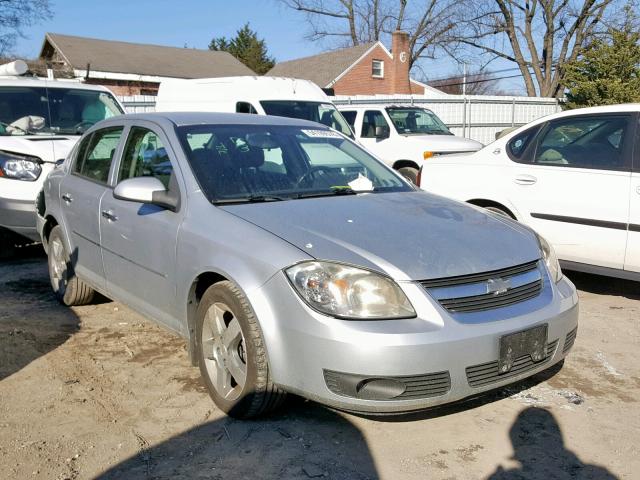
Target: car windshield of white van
264	163
52	111
324	113
416	121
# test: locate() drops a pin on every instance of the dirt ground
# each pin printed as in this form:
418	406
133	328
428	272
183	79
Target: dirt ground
99	392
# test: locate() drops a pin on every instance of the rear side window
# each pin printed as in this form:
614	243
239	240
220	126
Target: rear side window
350	117
145	156
96	154
245	107
519	145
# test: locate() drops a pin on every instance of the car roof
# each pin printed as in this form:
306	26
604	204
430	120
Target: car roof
214	118
13	81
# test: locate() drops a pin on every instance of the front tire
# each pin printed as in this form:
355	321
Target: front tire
232	356
67	287
410	173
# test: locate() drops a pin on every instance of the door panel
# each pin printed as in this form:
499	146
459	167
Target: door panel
632	260
139	240
575	190
81	193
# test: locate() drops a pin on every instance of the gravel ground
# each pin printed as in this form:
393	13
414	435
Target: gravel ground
100	392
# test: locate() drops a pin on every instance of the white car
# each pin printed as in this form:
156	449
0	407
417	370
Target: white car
40	121
417	134
573	176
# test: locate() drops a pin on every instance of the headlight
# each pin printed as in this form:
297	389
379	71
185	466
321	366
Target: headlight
19	168
349	292
549	255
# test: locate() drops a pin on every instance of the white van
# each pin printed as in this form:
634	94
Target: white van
404	136
284	97
40	121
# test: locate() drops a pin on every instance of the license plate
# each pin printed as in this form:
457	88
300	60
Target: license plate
532	342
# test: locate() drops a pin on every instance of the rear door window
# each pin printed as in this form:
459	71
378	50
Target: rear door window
372	119
586	141
350	117
96	155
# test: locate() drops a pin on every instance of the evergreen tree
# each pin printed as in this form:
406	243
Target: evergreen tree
246	47
608	72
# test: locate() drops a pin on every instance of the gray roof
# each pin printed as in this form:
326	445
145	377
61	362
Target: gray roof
215	118
142	59
321	69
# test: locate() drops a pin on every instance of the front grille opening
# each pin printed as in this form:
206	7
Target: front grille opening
570	340
471	293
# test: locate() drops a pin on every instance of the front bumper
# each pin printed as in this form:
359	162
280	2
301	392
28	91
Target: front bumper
306	348
19	216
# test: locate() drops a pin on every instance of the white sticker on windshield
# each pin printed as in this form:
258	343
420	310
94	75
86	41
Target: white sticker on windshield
361	184
321	134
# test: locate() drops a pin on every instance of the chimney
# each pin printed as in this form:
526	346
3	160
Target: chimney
400	71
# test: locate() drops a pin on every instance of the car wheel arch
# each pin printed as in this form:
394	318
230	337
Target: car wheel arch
484	203
49	224
398	164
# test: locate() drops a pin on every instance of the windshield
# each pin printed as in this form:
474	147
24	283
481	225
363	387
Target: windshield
412	121
324	113
52	111
244	163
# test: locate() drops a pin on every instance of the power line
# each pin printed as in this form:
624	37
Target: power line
468	82
492	72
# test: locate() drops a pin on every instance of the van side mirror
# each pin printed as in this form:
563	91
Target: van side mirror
146	190
382	131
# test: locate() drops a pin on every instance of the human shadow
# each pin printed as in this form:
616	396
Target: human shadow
539	448
604	285
32	321
307	441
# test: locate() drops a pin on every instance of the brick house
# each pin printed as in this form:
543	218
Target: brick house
366	69
133	68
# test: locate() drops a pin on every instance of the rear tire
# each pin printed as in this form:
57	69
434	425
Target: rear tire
232	356
67	287
410	173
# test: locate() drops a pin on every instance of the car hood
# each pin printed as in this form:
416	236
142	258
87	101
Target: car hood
443	143
409	235
46	148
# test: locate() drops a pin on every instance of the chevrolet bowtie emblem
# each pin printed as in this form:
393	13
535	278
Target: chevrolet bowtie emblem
498	285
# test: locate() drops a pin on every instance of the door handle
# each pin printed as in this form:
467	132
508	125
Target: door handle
67	198
525	179
638	190
109	215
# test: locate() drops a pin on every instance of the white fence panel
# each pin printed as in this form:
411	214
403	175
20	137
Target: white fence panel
138	103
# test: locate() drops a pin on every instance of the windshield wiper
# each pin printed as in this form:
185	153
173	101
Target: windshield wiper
249	199
331	193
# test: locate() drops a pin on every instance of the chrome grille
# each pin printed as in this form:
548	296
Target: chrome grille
472	293
487	373
570	340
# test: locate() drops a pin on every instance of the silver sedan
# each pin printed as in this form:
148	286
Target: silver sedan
292	260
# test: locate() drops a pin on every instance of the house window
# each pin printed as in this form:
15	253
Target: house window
377	69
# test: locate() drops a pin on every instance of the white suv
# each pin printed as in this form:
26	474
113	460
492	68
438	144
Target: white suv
573	176
404	136
40	121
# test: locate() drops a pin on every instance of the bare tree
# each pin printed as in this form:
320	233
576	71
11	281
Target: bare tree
477	82
430	24
539	36
15	15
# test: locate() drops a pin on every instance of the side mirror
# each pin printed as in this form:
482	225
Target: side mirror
382	132
59	162
146	190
